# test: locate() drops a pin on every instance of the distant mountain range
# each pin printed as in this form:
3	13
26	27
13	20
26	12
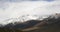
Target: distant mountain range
24	18
52	20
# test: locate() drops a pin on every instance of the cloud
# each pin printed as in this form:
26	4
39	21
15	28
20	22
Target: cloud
16	9
23	0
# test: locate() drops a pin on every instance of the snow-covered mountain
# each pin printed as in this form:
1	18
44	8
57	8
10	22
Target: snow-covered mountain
18	23
24	18
14	11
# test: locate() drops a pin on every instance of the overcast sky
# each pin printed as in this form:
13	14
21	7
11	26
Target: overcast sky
25	0
13	9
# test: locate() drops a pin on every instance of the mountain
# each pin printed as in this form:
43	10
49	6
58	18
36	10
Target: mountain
23	18
34	25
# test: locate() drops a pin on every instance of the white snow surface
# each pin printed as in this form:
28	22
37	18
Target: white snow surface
15	10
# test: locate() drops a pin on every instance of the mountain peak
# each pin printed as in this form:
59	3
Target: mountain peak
25	18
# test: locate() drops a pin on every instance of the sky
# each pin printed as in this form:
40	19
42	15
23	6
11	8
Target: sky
24	0
16	8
